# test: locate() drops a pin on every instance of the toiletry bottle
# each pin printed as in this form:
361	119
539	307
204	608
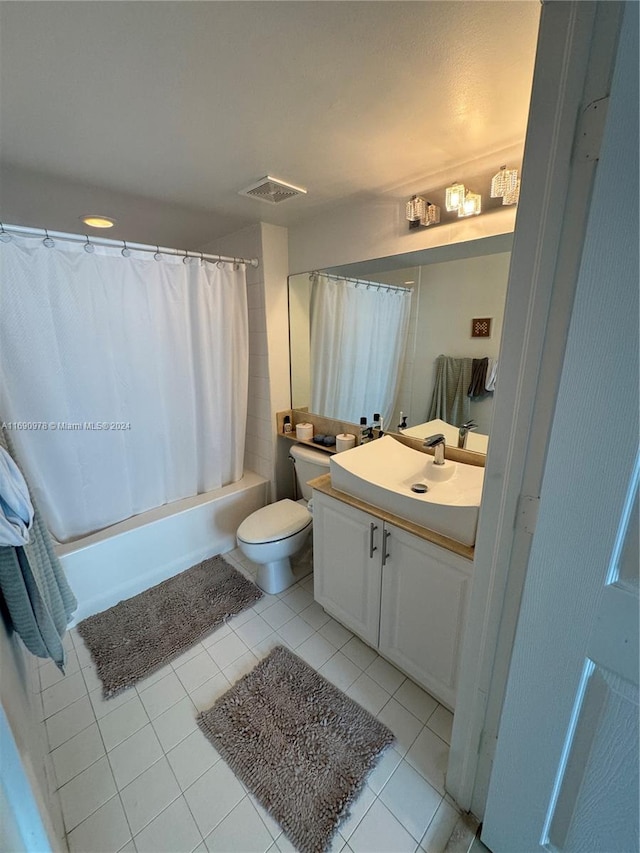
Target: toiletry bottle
403	422
287	426
378	423
364	431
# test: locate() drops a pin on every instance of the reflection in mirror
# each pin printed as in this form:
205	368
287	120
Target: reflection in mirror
348	361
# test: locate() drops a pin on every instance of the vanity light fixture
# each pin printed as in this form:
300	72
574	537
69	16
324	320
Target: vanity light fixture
431	215
454	197
505	184
471	205
97	220
416	207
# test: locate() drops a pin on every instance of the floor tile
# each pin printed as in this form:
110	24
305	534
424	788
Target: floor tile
298	599
78	753
149	794
437	835
86	792
105	830
102	706
82	651
241	666
63	693
269	821
315	616
91	678
254	631
197	670
175	724
219	634
204	696
357	651
265	602
241	831
68	722
192	757
163	694
316	651
357	811
239	619
50	674
187	655
368	693
123	722
441	722
213	796
402	723
173	831
261	650
339	670
429	756
385	674
133	756
295	632
411	799
380	832
225	651
153	678
278	614
416	700
383	770
336	633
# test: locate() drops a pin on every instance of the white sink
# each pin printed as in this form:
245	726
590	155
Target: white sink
383	471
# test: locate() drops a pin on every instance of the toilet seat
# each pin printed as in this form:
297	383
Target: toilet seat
274	522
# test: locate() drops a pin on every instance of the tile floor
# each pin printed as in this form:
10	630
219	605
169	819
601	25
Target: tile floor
136	774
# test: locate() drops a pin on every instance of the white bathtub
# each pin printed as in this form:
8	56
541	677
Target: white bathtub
133	555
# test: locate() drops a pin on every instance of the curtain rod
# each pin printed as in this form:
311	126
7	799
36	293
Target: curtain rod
356	281
6	231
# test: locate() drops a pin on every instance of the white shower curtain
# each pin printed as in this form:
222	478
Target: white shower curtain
124	379
358	338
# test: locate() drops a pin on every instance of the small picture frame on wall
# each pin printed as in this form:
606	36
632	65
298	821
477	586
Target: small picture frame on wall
481	327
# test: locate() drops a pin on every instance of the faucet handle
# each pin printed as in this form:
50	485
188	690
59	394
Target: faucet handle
433	440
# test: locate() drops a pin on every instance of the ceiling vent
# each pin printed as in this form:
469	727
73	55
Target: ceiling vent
272	190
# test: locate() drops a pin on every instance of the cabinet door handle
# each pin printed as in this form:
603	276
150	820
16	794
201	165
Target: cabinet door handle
386	556
372	529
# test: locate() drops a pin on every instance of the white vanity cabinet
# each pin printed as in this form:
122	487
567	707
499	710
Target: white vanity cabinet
398	592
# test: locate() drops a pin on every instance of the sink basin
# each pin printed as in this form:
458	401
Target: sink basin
383	472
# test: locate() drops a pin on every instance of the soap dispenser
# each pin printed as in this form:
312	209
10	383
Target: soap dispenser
403	422
365	433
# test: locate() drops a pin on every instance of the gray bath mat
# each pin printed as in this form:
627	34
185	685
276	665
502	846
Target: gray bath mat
301	746
137	636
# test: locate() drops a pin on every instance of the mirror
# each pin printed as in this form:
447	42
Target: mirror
449	287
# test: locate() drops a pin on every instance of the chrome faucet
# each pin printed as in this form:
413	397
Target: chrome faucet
464	431
437	442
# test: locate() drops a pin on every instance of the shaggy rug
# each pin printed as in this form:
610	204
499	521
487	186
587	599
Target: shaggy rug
301	746
137	636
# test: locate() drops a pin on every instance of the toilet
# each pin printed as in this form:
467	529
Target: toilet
272	535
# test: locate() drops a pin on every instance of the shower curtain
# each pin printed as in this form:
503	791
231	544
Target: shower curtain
358	338
123	379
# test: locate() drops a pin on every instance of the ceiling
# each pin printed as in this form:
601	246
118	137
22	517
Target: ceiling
158	113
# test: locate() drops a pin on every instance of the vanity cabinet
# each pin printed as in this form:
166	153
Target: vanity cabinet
398	592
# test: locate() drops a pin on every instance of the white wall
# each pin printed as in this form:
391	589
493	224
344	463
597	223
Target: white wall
22	706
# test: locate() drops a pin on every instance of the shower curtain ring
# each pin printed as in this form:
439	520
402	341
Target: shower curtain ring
156	255
48	242
6	238
126	252
220	264
236	265
201	259
88	246
186	258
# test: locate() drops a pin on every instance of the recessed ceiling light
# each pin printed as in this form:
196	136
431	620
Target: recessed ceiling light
96	220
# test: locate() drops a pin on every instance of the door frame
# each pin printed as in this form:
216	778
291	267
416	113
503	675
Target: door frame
574	65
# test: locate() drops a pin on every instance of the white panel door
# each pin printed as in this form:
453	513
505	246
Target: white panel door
565	775
424	598
346	565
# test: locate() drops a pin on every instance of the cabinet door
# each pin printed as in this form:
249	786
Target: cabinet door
346	565
423	609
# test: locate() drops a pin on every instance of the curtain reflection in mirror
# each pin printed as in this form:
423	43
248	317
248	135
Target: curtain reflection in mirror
358	339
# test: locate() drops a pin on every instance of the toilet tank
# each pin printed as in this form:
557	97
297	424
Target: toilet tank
309	464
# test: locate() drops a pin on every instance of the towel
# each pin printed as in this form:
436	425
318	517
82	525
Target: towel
478	382
492	373
16	510
450	402
35	589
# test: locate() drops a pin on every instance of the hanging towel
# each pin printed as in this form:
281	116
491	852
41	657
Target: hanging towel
450	402
16	510
478	382
492	372
36	592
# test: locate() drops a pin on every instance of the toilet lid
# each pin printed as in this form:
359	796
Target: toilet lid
276	521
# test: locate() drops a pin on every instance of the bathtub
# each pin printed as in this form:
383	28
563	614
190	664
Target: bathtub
135	554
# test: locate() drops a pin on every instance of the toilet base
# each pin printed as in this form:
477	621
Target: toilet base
276	576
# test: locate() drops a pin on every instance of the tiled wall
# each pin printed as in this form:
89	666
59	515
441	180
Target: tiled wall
268	344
